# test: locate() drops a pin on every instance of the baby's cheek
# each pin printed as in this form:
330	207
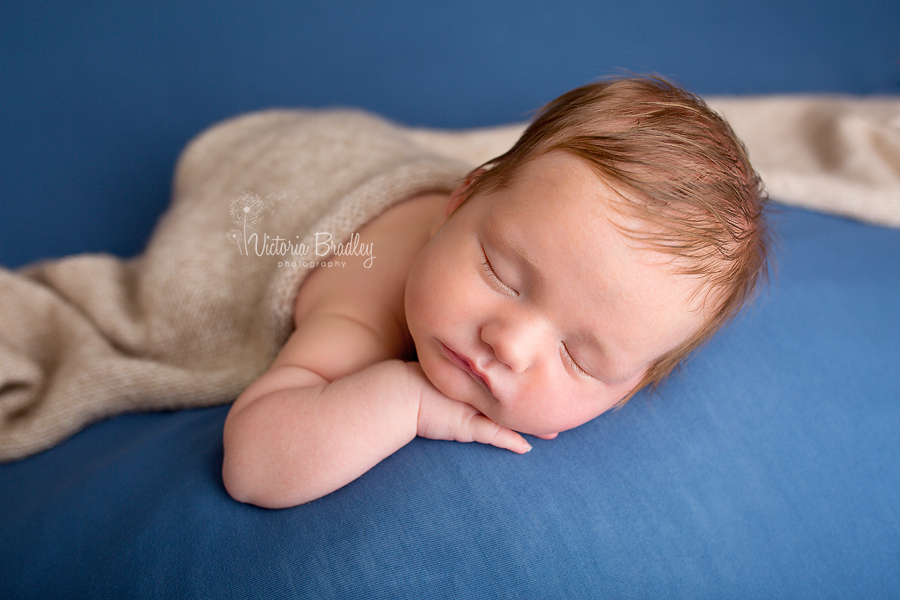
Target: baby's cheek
562	407
530	413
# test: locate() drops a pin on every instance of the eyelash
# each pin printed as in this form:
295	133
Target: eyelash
494	277
567	358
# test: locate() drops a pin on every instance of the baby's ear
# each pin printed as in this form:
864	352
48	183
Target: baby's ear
459	195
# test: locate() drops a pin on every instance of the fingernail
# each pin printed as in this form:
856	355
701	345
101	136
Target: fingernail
528	447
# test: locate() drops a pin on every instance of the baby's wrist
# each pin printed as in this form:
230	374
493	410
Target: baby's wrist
403	382
415	379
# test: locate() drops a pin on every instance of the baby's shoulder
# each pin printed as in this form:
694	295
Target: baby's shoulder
365	279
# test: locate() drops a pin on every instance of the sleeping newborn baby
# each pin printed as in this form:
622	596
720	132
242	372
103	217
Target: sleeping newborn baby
619	233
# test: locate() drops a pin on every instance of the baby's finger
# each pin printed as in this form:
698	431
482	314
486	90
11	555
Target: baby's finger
485	431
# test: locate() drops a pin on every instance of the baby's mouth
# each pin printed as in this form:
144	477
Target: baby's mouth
465	365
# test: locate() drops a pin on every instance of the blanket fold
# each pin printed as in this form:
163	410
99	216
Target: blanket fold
205	308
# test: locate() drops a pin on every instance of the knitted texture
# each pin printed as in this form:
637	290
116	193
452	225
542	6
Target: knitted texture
200	314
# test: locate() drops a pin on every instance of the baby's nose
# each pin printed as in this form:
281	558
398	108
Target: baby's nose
515	342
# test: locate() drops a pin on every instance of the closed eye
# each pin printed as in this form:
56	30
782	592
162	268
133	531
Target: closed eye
494	278
570	362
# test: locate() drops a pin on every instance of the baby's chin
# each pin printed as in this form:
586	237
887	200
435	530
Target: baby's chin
522	425
532	424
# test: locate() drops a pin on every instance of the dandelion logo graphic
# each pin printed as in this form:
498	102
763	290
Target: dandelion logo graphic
247	210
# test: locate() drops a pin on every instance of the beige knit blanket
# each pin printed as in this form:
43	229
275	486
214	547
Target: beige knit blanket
256	202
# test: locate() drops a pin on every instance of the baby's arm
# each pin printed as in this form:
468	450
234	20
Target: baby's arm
294	436
336	401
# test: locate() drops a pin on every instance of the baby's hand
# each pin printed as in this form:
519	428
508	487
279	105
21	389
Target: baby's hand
443	418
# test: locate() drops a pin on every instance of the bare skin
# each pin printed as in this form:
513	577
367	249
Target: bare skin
528	310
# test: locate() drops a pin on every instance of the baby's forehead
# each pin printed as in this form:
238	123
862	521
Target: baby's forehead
592	214
583	242
607	193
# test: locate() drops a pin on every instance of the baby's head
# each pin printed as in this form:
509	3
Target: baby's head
686	185
622	230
